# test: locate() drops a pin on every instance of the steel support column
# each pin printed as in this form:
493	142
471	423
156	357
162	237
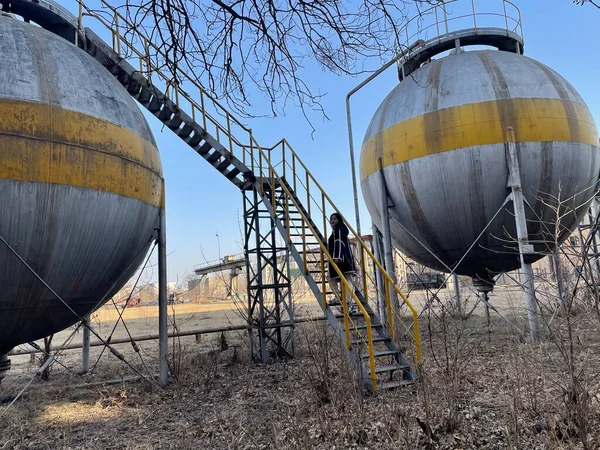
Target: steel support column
270	313
377	251
457	300
525	248
387	235
85	353
163	325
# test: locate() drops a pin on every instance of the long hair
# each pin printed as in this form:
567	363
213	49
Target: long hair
340	225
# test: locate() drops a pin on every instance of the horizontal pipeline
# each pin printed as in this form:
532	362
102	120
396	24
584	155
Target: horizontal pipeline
152	337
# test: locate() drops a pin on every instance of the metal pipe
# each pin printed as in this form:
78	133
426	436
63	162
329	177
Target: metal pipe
378	277
445	16
525	248
370	78
457	301
85	354
595	207
558	275
153	337
387	236
163	326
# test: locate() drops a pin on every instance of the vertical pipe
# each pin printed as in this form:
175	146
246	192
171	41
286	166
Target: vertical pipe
457	301
595	207
353	165
85	353
525	249
445	17
386	233
378	277
364	272
294	175
118	35
283	157
558	276
163	330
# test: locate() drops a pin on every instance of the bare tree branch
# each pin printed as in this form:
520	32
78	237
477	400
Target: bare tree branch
238	48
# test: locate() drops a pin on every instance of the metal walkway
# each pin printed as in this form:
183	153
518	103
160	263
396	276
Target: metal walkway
277	177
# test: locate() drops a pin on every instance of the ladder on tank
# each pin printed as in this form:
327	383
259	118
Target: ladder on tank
283	184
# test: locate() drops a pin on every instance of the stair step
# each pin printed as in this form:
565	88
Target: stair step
213	157
144	95
134	87
375	339
293	219
364	326
154	104
394	384
383	353
185	131
383	369
123	77
204	148
232	173
224	165
195	139
175	122
165	114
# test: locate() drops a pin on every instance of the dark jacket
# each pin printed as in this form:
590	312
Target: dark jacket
339	248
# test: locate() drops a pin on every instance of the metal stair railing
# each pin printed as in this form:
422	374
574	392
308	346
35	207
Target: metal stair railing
264	163
317	202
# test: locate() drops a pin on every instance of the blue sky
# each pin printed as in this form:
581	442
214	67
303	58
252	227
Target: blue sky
202	204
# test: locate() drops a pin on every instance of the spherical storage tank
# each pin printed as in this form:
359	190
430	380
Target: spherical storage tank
440	135
80	182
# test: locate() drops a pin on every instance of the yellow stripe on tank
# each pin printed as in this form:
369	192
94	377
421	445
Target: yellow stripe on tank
46	144
52	123
534	120
38	161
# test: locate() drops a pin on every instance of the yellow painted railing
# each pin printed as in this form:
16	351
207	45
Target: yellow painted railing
278	166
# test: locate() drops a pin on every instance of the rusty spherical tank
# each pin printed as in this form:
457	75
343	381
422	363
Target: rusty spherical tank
440	135
80	183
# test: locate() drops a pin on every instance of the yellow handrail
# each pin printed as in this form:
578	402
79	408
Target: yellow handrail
369	253
267	172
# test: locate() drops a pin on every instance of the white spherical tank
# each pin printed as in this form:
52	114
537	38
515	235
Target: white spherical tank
440	138
80	182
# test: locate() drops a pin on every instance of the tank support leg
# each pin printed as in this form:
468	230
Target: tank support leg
4	366
457	301
387	235
378	276
85	353
525	248
163	329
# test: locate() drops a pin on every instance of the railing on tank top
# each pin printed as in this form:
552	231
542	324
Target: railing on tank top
478	14
275	167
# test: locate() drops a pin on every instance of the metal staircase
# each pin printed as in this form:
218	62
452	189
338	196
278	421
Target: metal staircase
282	182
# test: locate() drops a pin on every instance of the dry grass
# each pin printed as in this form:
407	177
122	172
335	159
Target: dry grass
496	392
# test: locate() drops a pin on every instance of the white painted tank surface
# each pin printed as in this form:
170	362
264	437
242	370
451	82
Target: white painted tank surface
440	135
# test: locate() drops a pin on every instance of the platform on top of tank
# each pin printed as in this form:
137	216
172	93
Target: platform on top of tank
493	37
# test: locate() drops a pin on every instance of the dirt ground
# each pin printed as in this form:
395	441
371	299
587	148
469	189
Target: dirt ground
480	387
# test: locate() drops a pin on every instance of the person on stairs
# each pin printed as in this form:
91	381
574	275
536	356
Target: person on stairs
339	249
